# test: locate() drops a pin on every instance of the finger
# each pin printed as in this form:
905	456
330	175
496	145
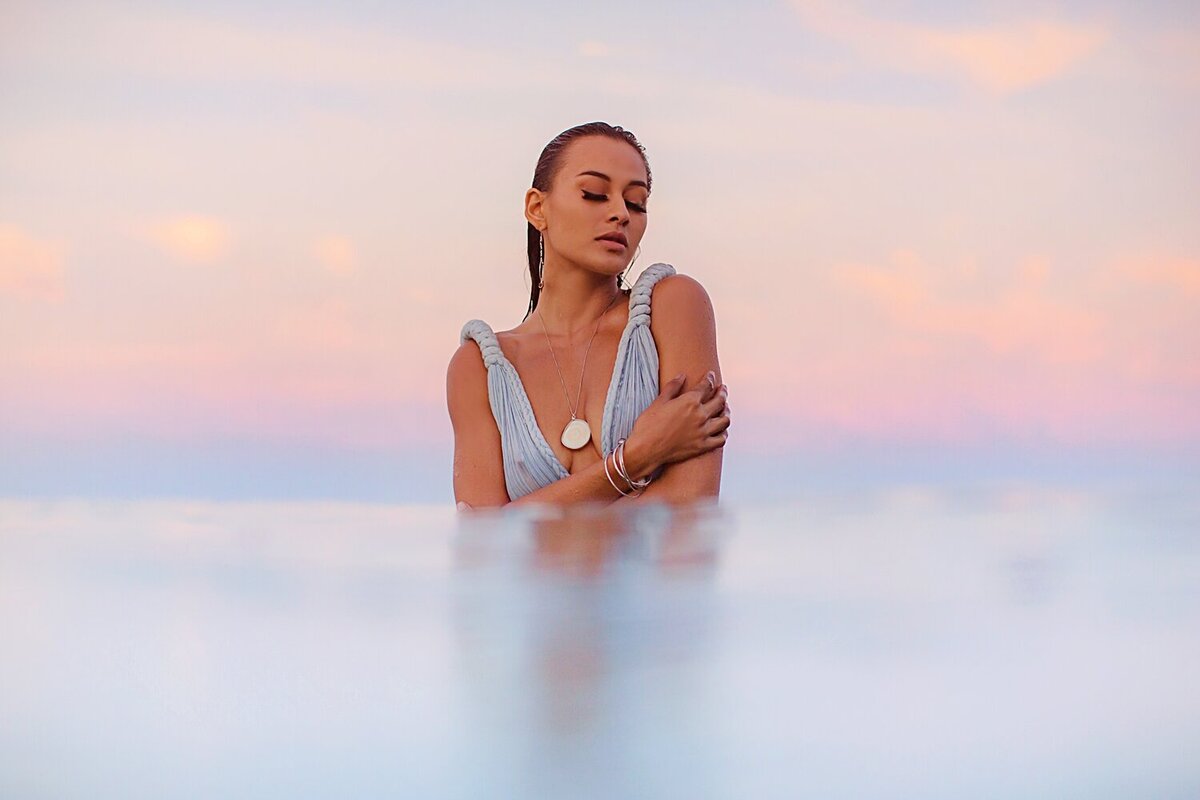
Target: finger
673	387
716	425
718	401
715	441
706	386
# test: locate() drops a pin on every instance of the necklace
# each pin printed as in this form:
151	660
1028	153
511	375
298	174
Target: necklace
577	433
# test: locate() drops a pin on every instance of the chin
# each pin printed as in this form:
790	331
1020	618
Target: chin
610	266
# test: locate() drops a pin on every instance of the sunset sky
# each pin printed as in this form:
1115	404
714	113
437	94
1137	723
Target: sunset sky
944	241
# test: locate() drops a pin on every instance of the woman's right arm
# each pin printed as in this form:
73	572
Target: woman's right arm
479	460
478	464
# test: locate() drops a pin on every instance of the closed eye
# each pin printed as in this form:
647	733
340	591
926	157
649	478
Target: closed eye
602	197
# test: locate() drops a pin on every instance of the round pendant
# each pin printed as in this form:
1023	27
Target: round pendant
576	434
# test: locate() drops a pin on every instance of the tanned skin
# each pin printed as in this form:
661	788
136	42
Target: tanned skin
599	188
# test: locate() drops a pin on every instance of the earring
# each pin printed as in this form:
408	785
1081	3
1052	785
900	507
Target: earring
621	277
541	261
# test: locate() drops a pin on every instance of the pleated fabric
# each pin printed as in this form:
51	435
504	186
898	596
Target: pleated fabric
529	461
634	383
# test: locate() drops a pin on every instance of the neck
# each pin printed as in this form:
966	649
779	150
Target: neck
572	300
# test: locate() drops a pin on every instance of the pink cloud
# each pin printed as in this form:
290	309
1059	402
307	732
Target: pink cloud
326	325
1023	316
913	350
30	269
1000	58
195	391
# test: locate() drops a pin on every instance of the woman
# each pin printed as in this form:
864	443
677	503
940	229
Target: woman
566	407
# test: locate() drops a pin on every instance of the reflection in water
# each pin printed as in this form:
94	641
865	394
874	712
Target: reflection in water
597	599
585	539
903	643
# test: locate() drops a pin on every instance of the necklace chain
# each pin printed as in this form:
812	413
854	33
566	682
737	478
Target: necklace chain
583	370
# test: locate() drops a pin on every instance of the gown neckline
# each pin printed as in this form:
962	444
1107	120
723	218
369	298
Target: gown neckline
537	429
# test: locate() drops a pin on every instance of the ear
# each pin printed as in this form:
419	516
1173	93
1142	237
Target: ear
534	208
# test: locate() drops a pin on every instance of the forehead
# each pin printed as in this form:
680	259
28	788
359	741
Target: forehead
617	159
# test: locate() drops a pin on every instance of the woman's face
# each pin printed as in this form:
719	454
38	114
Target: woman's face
600	189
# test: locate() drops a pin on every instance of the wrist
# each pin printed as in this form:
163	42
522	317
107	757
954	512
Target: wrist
639	461
615	482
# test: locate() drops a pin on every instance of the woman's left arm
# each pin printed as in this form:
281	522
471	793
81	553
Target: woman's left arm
684	328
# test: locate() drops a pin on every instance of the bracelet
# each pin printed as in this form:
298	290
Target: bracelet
637	485
610	480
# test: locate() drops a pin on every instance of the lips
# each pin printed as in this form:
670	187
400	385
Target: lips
619	238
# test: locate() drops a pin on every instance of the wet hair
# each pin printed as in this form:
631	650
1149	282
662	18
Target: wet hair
543	177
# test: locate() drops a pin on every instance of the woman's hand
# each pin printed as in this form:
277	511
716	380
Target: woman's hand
678	425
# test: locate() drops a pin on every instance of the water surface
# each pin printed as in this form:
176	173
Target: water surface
901	643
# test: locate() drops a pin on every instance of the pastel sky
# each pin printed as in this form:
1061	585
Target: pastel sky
237	244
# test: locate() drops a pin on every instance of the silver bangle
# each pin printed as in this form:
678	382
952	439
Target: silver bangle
619	460
610	480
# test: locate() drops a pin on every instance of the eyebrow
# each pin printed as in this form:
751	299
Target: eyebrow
605	177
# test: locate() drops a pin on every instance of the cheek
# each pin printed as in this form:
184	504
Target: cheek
582	215
569	224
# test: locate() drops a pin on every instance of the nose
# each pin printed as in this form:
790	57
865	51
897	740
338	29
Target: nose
622	214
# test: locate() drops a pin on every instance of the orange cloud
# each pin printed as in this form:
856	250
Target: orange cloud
29	268
1181	274
1000	58
337	254
191	237
592	49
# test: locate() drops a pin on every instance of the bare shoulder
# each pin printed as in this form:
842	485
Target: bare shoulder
681	303
466	377
467	360
684	328
478	456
